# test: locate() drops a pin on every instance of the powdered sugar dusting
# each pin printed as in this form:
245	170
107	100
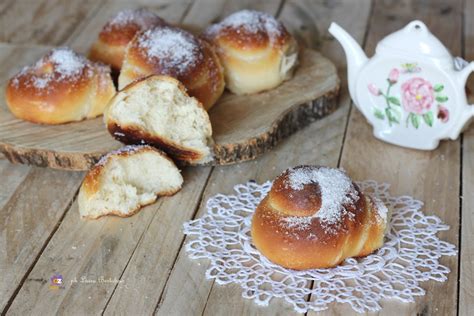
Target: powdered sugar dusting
297	222
124	149
139	17
60	64
250	21
337	190
175	49
67	62
382	210
41	83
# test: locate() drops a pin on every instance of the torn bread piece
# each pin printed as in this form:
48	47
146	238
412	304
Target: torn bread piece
125	180
157	111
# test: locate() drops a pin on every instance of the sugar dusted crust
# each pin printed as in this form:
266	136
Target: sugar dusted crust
171	51
114	37
121	28
174	52
296	226
53	73
249	29
256	50
61	87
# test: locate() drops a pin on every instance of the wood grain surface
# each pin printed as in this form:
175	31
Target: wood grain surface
244	126
466	264
41	232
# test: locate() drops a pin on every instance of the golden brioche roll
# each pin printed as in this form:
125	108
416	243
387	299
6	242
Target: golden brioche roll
256	50
173	52
61	87
118	32
316	217
125	180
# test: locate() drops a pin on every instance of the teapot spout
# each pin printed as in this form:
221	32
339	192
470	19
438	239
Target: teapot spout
355	56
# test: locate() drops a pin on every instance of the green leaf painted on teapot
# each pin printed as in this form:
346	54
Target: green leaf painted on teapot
428	118
379	114
394	100
442	98
392	115
415	120
438	87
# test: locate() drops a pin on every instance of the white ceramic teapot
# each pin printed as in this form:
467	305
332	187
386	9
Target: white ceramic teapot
409	90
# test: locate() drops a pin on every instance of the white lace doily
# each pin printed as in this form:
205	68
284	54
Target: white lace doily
409	256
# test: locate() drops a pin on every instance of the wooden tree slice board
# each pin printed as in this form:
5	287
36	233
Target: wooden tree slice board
243	126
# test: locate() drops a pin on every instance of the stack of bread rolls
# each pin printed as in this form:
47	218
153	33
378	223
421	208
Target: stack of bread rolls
249	51
168	79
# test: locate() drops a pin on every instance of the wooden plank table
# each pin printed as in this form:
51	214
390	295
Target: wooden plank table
41	232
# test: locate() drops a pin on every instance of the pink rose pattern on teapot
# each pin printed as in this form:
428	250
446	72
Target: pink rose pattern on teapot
419	98
417	95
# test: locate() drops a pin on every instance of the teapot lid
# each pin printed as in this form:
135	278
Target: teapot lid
414	40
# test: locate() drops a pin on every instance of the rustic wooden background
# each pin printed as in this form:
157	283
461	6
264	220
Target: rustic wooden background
40	230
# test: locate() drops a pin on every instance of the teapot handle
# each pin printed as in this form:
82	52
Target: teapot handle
468	111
